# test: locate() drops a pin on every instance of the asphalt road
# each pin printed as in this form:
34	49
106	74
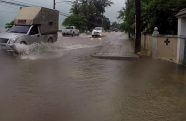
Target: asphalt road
62	82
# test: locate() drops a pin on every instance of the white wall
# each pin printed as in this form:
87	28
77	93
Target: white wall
182	26
181	43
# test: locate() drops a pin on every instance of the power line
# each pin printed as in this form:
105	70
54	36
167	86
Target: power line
37	2
13	3
6	5
22	4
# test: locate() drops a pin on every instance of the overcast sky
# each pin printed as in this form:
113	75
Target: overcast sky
8	12
112	12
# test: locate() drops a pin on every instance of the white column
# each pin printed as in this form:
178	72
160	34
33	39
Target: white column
181	42
155	43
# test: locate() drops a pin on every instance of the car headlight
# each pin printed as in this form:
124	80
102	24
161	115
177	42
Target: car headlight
98	33
11	41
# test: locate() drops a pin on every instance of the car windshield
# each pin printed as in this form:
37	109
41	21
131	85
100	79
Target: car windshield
69	27
98	28
19	29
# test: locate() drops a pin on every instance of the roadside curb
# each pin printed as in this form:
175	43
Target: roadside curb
133	57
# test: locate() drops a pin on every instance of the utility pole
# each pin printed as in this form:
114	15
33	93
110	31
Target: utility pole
138	26
54	4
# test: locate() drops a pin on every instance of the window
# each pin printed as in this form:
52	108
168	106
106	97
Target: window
34	30
69	27
98	28
19	29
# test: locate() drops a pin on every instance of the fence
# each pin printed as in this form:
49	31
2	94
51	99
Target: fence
161	46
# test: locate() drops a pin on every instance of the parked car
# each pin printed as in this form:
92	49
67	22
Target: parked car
32	25
70	30
116	30
97	32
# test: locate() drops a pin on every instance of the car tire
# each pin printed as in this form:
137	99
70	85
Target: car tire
23	42
63	34
73	34
50	40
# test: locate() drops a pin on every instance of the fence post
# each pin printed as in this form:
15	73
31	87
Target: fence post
155	43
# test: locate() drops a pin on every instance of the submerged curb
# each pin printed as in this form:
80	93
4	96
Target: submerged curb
133	57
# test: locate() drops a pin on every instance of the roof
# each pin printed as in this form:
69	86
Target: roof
181	13
28	13
36	15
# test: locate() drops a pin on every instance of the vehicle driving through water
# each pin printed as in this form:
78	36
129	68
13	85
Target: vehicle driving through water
32	25
70	30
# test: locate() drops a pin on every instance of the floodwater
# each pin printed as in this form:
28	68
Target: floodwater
67	84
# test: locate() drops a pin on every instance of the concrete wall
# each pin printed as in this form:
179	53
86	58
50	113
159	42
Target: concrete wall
146	44
165	47
172	48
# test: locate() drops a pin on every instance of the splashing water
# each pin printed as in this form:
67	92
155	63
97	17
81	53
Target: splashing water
39	51
57	49
46	50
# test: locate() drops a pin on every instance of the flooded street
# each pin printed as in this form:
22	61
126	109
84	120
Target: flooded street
62	82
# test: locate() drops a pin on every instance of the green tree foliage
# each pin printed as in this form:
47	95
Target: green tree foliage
9	25
92	12
106	23
155	13
128	15
76	20
115	26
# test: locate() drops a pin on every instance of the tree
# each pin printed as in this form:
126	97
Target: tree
127	14
106	23
76	20
115	26
161	14
92	11
9	25
155	13
92	6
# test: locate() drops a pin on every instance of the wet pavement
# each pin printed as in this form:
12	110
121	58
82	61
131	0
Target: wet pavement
73	86
117	48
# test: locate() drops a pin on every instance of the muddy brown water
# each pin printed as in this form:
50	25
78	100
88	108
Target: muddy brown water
77	87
